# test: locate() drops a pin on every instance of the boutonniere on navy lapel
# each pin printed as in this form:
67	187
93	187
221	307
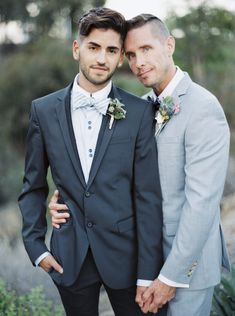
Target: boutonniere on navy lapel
116	111
167	108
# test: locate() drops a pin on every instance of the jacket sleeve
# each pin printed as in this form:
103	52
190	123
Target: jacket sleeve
206	158
148	200
32	200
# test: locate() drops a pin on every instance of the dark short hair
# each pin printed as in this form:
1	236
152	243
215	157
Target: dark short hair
140	20
102	18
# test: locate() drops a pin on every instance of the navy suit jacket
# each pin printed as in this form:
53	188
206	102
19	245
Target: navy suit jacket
118	213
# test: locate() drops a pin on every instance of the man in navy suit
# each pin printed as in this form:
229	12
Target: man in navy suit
99	142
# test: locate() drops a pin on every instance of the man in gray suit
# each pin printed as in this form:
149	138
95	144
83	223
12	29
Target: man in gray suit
193	146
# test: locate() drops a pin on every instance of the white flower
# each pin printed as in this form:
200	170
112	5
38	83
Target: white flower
159	118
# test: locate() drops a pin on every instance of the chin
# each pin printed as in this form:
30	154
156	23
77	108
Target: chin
147	83
99	81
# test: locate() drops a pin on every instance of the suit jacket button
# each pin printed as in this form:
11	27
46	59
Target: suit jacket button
87	194
89	224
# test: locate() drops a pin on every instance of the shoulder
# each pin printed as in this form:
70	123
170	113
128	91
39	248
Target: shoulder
204	96
134	103
51	98
201	100
204	111
131	98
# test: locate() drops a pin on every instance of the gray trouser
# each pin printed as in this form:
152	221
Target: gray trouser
191	303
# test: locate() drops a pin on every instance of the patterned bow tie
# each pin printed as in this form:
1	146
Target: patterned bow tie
81	101
155	102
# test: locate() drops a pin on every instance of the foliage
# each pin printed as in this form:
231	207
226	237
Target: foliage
45	64
39	69
39	17
224	296
206	49
13	10
11	171
30	304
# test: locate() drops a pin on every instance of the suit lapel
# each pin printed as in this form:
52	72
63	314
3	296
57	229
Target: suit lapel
182	87
65	121
180	90
104	138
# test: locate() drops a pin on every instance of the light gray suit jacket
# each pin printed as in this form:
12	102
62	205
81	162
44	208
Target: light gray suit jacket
193	150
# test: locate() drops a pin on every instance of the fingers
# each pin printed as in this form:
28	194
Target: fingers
49	262
146	305
160	300
57	207
155	304
160	292
58	211
54	205
139	292
55	265
148	293
55	225
55	196
59	217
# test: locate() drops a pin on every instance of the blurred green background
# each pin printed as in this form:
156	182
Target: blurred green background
43	63
40	61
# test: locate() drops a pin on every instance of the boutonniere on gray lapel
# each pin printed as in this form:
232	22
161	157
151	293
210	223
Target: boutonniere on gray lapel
167	108
116	111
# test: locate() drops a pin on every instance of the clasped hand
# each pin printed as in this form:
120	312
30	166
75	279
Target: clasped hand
151	298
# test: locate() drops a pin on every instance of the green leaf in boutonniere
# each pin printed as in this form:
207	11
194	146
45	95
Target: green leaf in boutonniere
116	111
168	107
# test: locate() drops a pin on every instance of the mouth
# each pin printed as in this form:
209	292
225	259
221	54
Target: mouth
99	68
143	74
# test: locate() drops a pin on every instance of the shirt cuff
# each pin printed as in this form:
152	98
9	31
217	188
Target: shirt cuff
172	283
141	282
40	258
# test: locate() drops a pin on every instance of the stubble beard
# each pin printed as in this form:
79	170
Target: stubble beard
94	81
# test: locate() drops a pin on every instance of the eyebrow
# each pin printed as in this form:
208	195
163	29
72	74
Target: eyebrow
94	44
97	45
141	47
146	45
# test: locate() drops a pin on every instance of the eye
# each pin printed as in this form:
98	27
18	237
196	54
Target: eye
92	48
113	50
146	49
130	56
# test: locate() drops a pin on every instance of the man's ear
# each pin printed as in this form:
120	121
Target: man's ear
170	46
76	50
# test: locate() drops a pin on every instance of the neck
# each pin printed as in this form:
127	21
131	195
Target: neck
158	88
89	86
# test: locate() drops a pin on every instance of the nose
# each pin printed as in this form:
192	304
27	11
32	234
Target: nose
101	57
139	61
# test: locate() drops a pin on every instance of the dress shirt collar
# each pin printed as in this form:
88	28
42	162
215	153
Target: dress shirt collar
169	89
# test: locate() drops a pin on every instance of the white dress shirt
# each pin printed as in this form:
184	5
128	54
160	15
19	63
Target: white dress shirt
169	89
86	125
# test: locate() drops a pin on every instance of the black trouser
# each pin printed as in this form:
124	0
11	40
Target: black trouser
82	298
